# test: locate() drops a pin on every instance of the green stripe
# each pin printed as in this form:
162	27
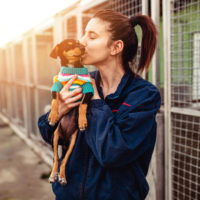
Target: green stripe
70	70
84	79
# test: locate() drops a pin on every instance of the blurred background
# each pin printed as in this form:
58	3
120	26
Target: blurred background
26	72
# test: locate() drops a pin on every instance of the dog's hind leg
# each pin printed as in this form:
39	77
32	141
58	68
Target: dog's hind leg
54	173
62	176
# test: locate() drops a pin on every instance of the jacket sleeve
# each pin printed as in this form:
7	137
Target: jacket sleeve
46	130
119	139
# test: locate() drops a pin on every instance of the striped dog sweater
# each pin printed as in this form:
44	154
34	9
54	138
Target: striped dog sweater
66	73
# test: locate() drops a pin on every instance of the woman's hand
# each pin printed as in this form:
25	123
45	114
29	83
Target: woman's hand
67	100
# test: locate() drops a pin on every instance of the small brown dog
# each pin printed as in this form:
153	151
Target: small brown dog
70	53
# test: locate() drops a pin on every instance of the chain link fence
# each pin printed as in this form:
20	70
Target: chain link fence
127	7
185	99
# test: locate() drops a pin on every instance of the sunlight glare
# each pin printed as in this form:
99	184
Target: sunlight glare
18	16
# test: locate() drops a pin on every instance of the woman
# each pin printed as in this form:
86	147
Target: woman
111	158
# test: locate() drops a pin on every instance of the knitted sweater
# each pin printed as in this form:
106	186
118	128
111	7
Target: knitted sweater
66	73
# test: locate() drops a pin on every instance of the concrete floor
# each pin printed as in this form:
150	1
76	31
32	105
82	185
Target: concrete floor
21	170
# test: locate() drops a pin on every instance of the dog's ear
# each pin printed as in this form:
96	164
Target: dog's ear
54	53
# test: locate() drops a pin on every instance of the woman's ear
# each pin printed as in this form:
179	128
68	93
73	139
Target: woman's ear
117	47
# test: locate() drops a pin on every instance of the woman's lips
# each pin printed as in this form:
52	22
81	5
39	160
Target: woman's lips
84	55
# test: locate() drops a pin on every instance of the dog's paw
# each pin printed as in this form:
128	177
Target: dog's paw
53	118
53	178
62	181
82	123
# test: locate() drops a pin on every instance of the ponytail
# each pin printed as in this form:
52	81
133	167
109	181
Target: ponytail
149	40
122	28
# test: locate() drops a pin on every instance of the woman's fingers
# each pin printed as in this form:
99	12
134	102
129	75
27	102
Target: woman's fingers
73	99
68	99
72	105
65	95
66	105
69	83
74	92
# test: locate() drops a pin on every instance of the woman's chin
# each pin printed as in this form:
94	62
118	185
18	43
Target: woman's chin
85	62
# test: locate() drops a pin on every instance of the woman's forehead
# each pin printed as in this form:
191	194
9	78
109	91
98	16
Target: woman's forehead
98	26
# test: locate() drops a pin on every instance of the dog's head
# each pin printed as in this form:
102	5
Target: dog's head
70	51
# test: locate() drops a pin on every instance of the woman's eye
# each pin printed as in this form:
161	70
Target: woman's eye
92	36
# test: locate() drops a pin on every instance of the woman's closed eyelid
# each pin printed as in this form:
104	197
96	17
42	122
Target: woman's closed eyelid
92	37
89	36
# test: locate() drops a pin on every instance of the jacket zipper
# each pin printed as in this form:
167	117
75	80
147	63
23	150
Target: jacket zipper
86	173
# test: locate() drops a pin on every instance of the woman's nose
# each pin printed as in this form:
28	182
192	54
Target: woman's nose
82	41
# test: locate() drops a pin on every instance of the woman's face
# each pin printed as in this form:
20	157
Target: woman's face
96	40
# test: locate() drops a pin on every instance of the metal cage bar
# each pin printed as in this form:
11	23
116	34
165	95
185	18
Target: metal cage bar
182	89
167	97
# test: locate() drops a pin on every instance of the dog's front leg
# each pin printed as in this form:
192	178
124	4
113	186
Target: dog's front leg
82	118
53	116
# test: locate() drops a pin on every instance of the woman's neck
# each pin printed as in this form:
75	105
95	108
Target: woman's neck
111	76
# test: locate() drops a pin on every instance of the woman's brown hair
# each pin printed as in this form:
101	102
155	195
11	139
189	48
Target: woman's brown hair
122	28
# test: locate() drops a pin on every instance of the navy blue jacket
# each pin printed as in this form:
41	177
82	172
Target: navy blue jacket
110	159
